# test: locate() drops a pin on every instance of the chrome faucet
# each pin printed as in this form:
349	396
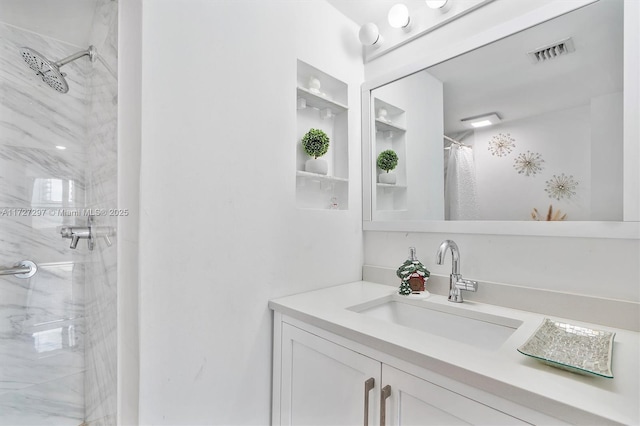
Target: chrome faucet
456	282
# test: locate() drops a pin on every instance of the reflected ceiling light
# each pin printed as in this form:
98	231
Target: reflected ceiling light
60	147
369	35
481	120
399	16
438	4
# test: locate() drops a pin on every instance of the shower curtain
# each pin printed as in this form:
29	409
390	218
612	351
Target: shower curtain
461	202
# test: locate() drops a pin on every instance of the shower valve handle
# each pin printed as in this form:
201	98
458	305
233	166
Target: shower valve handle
104	232
75	233
74	241
89	233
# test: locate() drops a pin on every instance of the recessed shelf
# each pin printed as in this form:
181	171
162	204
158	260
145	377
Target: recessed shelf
391	133
390	186
320	178
320	102
384	126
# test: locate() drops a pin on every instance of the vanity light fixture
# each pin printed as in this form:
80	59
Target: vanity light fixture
481	120
369	35
399	16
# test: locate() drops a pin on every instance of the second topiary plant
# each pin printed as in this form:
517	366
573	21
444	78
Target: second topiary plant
387	161
316	143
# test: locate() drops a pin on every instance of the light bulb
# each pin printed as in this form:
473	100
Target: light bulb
369	34
436	4
399	16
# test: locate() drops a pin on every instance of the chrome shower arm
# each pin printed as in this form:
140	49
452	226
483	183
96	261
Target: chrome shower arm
91	52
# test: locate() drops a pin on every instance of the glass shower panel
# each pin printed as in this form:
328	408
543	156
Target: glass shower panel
41	318
58	161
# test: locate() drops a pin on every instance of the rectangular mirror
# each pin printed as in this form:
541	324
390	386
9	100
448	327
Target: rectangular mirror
526	128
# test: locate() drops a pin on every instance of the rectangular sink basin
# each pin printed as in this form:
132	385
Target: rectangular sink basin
477	329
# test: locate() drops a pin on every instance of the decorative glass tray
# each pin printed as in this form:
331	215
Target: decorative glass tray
573	348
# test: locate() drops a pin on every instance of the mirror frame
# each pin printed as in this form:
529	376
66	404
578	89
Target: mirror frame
628	229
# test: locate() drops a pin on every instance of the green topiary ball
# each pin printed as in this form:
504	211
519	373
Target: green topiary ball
387	160
315	143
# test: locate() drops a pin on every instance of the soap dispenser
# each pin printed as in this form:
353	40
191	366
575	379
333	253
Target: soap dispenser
413	275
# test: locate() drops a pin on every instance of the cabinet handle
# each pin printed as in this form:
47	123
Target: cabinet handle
368	385
384	394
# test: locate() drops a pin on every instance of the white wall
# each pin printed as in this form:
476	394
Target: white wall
607	154
64	20
563	139
631	110
584	142
129	132
219	231
600	267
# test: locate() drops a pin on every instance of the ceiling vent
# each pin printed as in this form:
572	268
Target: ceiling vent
552	51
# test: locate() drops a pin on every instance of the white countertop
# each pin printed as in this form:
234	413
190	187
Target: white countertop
505	371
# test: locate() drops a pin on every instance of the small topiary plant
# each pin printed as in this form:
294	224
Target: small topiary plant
387	160
315	143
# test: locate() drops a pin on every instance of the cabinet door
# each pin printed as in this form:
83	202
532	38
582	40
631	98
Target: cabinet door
324	384
415	401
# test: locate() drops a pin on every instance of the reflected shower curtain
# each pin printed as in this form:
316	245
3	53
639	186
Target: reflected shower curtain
461	202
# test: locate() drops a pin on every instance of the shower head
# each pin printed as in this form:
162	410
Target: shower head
49	70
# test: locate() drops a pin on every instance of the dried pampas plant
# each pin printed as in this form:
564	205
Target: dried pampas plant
551	216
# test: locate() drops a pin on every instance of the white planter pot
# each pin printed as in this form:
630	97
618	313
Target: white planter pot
317	165
388	178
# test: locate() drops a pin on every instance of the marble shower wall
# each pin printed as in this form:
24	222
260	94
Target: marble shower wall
101	178
41	318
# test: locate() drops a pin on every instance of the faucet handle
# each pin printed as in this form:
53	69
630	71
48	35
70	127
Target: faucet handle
467	285
105	232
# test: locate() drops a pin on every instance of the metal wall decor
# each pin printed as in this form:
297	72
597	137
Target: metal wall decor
528	163
560	187
500	145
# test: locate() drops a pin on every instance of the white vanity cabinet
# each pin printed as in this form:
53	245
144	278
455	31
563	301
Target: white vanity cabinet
415	401
323	383
325	348
320	382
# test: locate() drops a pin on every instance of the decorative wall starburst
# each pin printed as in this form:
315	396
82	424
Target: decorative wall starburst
501	144
562	186
528	163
